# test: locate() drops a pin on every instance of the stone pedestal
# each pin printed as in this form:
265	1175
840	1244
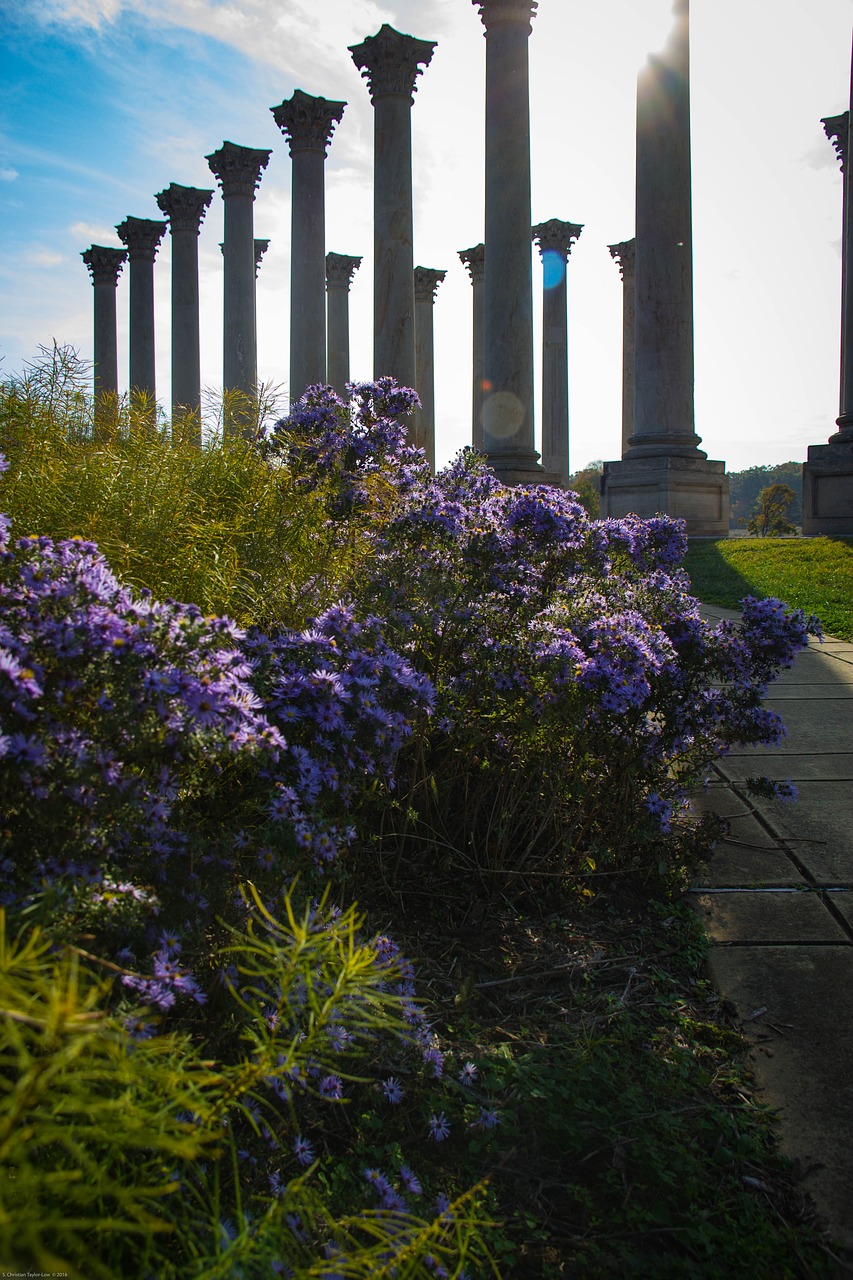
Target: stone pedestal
185	208
104	266
663	468
423	435
391	63
142	237
555	240
828	471
238	170
308	124
508	426
623	255
474	260
340	270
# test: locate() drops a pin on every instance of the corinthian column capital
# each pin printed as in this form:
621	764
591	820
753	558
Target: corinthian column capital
390	62
185	207
340	270
474	261
104	264
555	236
623	254
426	283
142	237
837	129
307	122
260	247
238	168
498	12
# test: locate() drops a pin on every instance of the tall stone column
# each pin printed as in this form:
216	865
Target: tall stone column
308	124
555	240
104	266
623	255
828	471
391	63
238	170
340	270
185	208
508	428
663	469
426	284
474	261
142	237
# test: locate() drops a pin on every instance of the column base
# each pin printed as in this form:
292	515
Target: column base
521	467
828	489
692	488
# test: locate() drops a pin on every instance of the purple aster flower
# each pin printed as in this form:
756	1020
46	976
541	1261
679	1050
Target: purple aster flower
393	1090
303	1150
439	1126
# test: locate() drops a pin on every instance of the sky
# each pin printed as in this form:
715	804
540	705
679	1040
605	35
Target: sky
105	102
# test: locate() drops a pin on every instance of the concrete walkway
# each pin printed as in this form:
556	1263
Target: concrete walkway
777	900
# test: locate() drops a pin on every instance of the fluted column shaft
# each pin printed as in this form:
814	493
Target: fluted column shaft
663	354
142	237
508	427
623	255
555	240
307	123
104	265
391	62
185	208
339	272
474	261
426	284
838	130
238	170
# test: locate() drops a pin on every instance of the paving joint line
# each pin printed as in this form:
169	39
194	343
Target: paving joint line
838	916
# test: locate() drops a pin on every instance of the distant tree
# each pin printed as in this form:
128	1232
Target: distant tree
770	518
586	483
745	486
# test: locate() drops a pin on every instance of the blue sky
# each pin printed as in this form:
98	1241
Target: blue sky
105	102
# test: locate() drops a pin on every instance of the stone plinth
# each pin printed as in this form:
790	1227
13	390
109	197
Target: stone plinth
142	237
307	123
426	283
474	260
391	63
663	469
828	471
185	208
555	240
508	426
104	265
239	170
340	270
623	255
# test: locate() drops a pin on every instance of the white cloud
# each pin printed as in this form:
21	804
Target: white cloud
8	174
94	233
44	258
90	14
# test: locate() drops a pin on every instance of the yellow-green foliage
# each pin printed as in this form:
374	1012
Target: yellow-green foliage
216	526
90	1123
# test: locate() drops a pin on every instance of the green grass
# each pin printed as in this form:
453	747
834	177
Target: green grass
815	574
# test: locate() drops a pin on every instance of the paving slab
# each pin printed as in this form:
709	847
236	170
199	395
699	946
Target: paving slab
802	1053
818	829
735	864
829	766
791	916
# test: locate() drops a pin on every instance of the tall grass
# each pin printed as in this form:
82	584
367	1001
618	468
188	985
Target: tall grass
218	525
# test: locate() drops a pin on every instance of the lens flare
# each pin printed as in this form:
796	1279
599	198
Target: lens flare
503	414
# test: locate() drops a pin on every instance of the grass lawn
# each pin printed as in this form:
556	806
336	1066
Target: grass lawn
815	574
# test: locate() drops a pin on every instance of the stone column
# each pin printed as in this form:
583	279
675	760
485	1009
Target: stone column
238	170
104	266
185	208
308	124
663	469
828	471
423	432
555	240
340	270
474	261
391	63
623	255
142	237
508	428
